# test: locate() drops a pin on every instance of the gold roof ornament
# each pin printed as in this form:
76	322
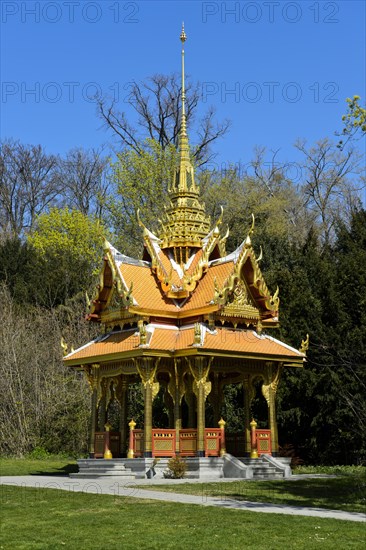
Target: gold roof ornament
304	345
64	346
184	223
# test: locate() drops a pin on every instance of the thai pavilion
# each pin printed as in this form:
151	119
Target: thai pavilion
187	319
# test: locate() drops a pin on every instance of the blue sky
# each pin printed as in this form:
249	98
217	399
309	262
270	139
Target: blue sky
288	65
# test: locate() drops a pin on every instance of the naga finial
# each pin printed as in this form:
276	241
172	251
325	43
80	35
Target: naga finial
304	345
251	230
64	346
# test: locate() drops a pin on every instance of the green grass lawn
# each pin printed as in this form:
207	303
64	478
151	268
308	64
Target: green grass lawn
46	518
53	465
344	492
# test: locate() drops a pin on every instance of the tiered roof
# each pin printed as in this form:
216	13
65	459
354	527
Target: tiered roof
188	295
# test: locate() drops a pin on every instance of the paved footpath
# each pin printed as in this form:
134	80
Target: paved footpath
115	486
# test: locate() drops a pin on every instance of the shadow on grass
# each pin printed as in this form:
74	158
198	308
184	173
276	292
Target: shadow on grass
64	470
336	493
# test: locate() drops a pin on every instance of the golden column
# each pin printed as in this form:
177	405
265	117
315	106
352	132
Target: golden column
200	367
130	453
221	424
253	440
146	367
269	390
93	382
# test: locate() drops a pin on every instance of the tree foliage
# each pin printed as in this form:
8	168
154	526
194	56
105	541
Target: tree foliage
69	246
354	121
141	181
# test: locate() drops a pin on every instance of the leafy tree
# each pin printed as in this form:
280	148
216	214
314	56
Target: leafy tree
19	264
354	121
141	182
69	245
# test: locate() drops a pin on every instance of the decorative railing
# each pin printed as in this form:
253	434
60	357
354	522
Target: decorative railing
212	441
263	438
164	443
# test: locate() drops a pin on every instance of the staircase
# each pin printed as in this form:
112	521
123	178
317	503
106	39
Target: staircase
262	469
94	468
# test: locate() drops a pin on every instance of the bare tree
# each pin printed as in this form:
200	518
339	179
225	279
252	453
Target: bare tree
332	183
272	176
43	403
158	106
83	175
27	185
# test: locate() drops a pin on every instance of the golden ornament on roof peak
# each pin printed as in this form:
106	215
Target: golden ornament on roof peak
183	36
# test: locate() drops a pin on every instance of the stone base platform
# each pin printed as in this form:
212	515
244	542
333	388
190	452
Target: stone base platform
228	466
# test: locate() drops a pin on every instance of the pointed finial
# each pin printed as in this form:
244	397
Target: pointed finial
183	36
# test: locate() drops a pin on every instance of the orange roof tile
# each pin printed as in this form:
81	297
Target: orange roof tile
205	290
173	339
247	341
171	273
148	294
146	289
195	261
164	339
114	343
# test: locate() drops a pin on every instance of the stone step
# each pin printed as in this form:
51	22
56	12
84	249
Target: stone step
94	468
267	475
263	470
91	475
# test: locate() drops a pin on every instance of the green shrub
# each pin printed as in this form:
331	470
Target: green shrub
39	453
177	468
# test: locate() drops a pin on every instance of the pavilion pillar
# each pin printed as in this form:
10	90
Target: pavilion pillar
146	367
269	390
122	390
248	396
200	367
93	382
148	421
272	420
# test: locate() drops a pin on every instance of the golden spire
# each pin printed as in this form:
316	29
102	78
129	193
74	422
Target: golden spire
183	137
185	223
